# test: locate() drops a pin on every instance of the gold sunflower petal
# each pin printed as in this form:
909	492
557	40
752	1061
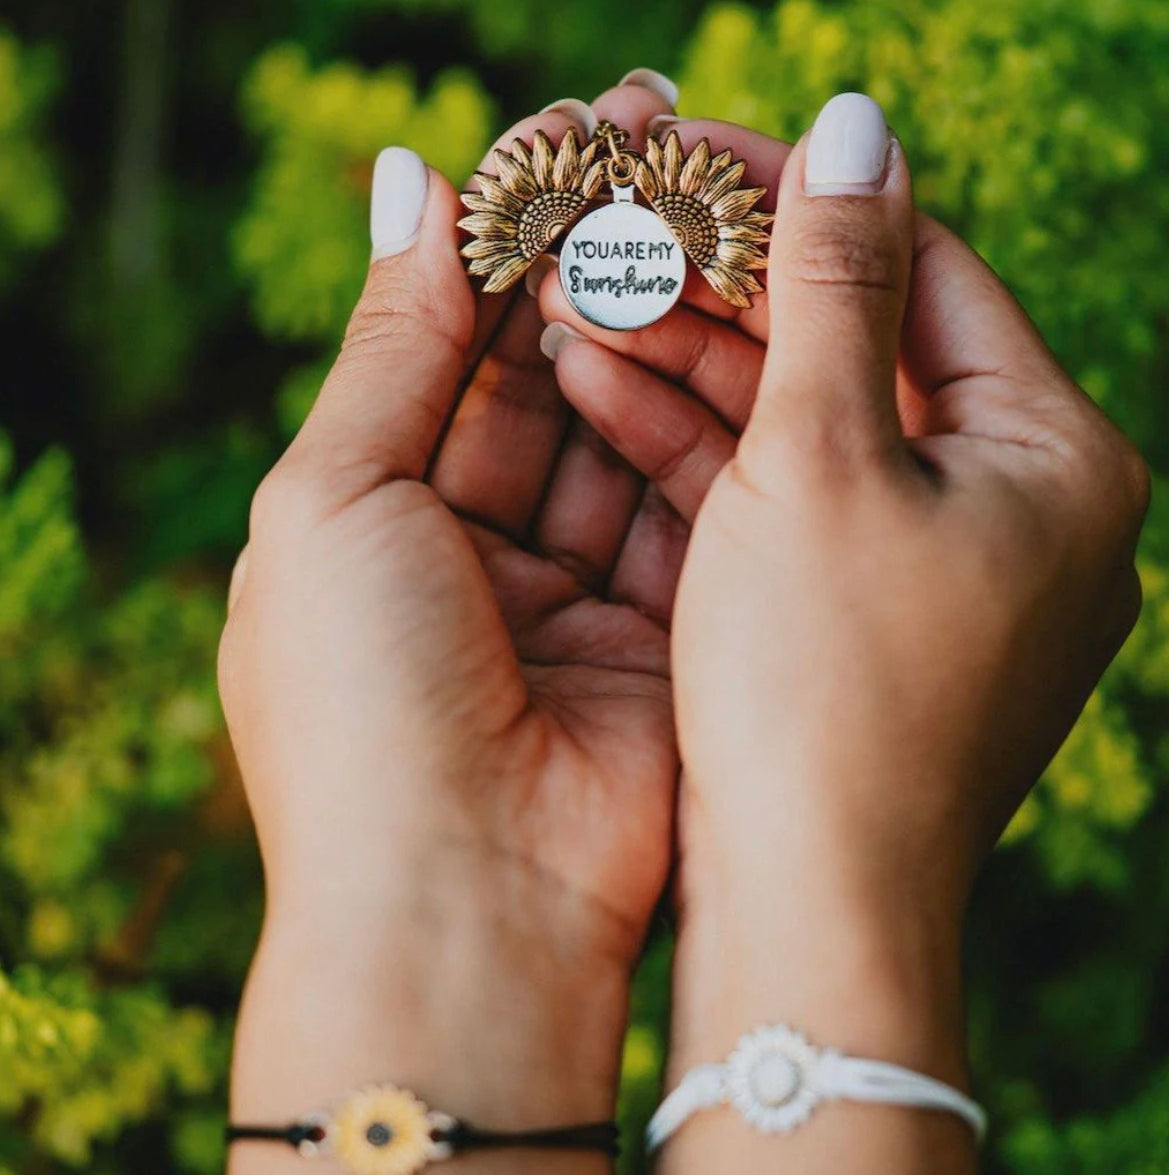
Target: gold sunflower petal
672	162
566	171
694	173
492	189
725	182
656	160
744	233
507	274
521	154
477	202
730	285
514	176
735	205
741	255
489	224
486	265
738	231
589	154
647	183
718	165
596	175
543	161
492	248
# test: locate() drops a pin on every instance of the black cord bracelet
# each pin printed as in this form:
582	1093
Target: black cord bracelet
384	1130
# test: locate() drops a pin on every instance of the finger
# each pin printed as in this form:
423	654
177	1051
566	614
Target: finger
670	437
647	569
838	281
383	405
592	495
631	106
497	454
589	507
968	346
708	357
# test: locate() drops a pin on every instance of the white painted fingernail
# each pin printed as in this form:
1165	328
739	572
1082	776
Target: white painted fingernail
848	151
661	124
541	267
400	180
580	112
650	79
557	336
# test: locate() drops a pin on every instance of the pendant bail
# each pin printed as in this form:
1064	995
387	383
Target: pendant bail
622	163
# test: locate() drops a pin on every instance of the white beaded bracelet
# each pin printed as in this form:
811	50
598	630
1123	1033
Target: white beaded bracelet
775	1078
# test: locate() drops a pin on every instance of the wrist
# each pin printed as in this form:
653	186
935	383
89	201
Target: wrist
489	1020
835	948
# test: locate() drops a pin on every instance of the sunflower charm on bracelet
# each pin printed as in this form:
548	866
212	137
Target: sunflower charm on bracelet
384	1131
623	265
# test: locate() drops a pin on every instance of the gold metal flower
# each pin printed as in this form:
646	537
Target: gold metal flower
709	214
538	194
382	1131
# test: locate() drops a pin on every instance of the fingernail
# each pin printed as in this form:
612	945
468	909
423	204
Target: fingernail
650	79
557	336
400	180
541	267
848	151
660	124
577	110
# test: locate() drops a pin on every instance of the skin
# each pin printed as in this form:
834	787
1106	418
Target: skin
447	674
912	558
446	681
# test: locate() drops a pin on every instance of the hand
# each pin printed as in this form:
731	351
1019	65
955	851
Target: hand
904	580
449	697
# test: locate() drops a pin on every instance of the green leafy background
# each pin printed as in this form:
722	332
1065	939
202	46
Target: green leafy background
183	198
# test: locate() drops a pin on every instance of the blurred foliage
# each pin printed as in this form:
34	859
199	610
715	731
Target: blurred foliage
129	888
31	206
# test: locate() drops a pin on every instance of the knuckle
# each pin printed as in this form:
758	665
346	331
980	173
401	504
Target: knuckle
287	498
675	458
837	250
694	351
1104	459
1133	601
1137	478
397	304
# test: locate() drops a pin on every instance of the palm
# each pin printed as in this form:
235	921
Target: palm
582	561
595	743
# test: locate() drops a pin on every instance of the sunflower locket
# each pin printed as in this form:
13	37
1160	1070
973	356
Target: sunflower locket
623	265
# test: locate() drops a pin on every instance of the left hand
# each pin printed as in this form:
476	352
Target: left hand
445	675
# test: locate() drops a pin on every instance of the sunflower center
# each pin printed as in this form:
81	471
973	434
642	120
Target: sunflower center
379	1134
544	219
693	224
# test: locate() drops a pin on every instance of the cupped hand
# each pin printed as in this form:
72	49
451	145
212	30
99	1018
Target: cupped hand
446	680
905	577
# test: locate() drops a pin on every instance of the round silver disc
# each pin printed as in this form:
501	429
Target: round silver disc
620	266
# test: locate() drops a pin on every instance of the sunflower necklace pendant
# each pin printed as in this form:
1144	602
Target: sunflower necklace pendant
623	264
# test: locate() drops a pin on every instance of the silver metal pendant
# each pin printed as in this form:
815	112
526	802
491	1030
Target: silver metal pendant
621	267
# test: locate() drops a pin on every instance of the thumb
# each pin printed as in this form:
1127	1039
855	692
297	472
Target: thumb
382	408
838	278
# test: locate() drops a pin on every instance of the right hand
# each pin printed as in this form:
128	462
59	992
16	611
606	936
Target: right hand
887	620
